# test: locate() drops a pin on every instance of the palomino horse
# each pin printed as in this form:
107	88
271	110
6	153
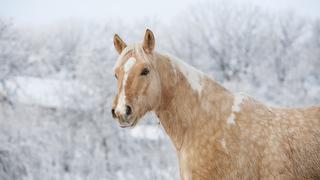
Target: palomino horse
217	134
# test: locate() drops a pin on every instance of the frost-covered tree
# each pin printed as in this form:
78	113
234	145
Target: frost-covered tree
12	55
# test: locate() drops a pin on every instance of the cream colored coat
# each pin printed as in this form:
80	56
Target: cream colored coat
217	134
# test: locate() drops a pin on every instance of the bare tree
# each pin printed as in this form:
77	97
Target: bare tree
288	32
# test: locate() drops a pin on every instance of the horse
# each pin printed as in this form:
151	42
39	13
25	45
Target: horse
217	134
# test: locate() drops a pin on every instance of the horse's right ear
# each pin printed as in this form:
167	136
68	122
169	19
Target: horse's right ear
119	44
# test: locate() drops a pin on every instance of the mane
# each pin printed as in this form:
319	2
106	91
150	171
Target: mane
193	75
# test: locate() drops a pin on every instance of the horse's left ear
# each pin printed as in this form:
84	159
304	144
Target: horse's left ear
149	41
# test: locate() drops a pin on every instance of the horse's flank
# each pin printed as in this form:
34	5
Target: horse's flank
221	135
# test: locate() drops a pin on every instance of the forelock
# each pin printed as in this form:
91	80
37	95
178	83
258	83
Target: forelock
120	59
136	49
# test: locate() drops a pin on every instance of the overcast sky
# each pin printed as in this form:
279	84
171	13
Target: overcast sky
43	11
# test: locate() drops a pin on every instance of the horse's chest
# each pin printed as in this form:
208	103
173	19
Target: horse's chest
201	163
190	164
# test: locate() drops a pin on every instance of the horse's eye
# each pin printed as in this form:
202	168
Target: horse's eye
144	72
115	75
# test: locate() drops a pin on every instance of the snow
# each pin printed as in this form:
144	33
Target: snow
147	132
50	92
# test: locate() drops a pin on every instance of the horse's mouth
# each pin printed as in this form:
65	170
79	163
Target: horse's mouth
132	125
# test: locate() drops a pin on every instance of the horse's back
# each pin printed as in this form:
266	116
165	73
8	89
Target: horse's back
301	142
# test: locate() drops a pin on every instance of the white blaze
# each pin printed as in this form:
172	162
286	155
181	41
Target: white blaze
121	106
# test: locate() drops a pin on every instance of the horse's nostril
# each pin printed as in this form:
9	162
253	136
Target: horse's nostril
128	110
113	113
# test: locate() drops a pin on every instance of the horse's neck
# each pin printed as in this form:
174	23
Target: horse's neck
183	100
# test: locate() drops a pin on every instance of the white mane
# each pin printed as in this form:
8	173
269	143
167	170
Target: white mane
193	76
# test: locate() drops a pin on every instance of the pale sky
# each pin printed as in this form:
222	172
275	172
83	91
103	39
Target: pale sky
43	11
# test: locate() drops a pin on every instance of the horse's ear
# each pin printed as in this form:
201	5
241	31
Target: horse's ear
149	41
119	44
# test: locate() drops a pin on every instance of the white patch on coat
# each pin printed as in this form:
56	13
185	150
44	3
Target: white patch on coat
193	76
121	106
237	102
231	119
224	144
238	98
